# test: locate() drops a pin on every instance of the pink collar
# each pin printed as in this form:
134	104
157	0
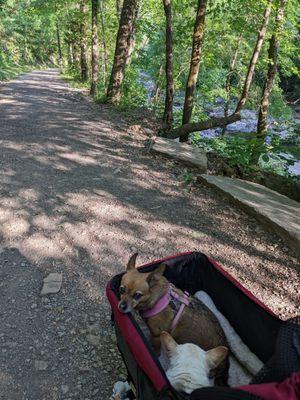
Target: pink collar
163	303
159	306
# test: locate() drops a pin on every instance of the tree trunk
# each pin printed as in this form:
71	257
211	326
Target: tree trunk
104	48
221	122
70	55
156	89
272	69
132	37
122	50
57	36
260	39
83	62
194	65
118	8
168	111
76	56
83	48
59	45
95	47
228	80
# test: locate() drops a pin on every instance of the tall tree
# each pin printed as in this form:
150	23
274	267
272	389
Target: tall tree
132	37
271	73
216	122
104	47
118	8
71	34
95	47
156	90
229	78
59	48
257	48
122	50
76	57
69	54
168	111
84	71
194	65
60	56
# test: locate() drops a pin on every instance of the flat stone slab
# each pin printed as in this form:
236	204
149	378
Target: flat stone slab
181	151
276	211
40	365
52	283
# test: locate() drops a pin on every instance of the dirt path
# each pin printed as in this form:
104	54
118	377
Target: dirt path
78	194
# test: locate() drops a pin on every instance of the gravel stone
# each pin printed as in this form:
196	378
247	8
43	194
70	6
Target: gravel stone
64	389
40	365
52	284
93	339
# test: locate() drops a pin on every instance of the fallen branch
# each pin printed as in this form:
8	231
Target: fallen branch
203	125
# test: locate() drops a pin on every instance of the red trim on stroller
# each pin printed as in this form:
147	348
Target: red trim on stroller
136	343
288	389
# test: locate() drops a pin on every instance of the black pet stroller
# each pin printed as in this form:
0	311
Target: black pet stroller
275	342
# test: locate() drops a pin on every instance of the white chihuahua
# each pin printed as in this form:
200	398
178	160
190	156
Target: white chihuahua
189	366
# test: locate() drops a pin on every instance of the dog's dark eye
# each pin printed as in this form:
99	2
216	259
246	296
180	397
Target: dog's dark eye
121	289
137	295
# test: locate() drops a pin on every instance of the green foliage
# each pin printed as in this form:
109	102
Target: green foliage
134	94
9	71
237	150
213	85
177	115
187	177
272	162
26	38
278	106
72	76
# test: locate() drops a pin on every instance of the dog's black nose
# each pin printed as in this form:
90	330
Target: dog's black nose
122	305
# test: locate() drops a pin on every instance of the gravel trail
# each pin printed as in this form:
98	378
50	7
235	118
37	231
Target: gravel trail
79	192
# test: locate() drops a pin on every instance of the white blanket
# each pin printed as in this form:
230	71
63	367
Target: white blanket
243	364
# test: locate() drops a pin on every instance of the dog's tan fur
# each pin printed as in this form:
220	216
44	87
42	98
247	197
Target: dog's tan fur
197	324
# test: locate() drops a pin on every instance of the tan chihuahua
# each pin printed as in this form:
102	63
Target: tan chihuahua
197	324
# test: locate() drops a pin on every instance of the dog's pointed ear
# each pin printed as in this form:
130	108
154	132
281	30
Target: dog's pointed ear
168	343
215	356
131	262
156	274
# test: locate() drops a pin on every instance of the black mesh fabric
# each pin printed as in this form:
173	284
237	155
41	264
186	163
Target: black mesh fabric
286	358
221	393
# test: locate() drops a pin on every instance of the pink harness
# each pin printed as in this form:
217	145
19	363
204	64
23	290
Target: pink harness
163	303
